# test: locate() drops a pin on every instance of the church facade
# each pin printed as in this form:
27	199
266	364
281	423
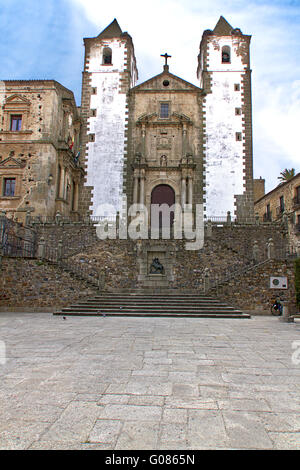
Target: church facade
167	141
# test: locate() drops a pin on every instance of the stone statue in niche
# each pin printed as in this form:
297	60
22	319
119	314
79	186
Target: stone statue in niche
156	267
163	160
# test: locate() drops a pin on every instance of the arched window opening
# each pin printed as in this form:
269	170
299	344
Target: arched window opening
107	56
225	55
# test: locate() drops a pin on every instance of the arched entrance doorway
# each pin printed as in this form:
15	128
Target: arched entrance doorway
162	198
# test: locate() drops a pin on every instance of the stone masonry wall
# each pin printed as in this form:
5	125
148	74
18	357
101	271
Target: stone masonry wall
35	284
75	236
251	291
115	263
227	249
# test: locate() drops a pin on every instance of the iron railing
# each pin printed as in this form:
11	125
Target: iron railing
16	240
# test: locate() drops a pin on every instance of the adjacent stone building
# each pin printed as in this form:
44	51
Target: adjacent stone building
39	141
282	204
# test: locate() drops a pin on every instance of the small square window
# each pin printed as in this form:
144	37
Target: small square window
9	186
94	91
164	110
237	87
16	122
238	111
238	136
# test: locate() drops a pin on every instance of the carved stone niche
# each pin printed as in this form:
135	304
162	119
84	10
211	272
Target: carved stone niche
149	250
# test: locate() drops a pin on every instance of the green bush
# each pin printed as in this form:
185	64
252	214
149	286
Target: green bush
297	280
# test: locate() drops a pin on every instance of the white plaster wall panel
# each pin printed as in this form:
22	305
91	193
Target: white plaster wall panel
106	154
215	55
95	58
224	154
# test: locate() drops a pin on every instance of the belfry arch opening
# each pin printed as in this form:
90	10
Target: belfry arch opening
226	55
107	56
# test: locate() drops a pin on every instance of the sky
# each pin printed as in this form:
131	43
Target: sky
44	40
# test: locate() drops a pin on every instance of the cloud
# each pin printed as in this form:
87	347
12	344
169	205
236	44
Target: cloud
276	128
43	40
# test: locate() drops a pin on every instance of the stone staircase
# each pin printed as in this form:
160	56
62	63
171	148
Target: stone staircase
135	304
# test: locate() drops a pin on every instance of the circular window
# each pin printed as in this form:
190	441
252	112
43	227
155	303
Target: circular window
166	83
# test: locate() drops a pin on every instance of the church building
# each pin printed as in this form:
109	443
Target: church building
163	142
167	141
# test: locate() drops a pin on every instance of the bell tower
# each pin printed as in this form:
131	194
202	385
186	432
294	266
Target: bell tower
109	72
225	75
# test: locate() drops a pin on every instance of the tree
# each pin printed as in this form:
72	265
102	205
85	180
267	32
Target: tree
286	175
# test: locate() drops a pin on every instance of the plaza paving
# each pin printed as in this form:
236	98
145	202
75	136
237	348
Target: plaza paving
148	383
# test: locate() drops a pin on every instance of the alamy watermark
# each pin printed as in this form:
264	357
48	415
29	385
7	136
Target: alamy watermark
2	353
296	353
164	221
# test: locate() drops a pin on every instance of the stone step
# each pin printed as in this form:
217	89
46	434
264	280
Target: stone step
161	314
151	298
153	302
148	306
144	310
151	295
154	305
165	304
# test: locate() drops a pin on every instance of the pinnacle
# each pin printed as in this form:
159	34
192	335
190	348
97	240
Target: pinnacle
222	28
111	31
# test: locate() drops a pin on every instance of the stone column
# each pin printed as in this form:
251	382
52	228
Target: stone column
209	229
143	141
62	183
41	248
286	317
59	250
255	252
27	218
190	190
75	197
57	218
142	190
183	192
270	249
135	188
184	140
206	283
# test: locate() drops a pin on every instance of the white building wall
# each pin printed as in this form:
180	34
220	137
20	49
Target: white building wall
224	154
106	154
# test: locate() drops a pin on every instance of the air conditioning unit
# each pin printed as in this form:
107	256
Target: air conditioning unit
278	282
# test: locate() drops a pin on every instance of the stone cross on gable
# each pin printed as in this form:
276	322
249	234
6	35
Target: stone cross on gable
166	56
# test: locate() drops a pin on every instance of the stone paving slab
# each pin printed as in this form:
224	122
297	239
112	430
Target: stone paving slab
148	383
